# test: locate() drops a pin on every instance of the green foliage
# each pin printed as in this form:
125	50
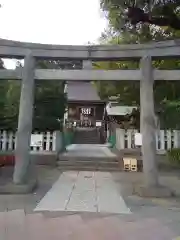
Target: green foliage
116	12
3	106
166	93
11	109
49	105
174	156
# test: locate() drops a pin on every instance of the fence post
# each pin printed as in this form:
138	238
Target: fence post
176	143
121	138
4	140
57	141
10	145
48	140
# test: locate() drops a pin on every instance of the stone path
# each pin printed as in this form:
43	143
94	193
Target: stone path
15	225
89	150
84	192
159	220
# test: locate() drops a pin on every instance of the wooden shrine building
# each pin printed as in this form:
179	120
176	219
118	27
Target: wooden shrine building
85	108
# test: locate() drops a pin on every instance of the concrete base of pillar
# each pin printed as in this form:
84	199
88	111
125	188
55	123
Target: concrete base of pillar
11	188
156	192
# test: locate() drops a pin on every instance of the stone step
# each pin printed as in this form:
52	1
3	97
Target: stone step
84	137
88	159
87	141
89	168
106	163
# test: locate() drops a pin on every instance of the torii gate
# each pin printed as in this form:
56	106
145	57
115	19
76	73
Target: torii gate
143	52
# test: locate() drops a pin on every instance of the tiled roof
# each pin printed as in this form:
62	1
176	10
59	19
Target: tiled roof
119	110
81	91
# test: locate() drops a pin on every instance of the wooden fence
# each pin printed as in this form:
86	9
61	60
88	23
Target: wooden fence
8	141
165	139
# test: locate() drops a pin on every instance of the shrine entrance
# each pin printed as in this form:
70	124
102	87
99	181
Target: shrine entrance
144	53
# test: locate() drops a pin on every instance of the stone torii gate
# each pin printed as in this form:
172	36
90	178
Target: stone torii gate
143	52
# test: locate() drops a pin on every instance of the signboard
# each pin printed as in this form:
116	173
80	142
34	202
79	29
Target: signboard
86	111
138	139
36	140
98	124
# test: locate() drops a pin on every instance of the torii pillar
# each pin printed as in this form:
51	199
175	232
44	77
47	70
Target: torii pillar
23	137
151	186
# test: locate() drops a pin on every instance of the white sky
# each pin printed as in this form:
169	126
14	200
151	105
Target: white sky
73	22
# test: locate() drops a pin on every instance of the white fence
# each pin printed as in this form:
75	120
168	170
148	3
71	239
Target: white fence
49	141
165	139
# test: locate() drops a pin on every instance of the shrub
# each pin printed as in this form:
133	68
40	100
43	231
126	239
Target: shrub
174	156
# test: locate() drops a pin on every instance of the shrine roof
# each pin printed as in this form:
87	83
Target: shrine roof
82	91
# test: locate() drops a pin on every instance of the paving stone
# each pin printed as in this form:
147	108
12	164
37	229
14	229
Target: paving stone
58	196
84	191
108	197
2	225
85	233
15	225
36	228
83	197
160	220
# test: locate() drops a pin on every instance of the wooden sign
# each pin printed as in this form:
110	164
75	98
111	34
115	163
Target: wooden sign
36	140
138	139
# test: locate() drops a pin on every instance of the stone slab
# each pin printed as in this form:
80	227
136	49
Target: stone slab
108	197
57	198
83	197
88	150
15	225
157	192
11	188
86	192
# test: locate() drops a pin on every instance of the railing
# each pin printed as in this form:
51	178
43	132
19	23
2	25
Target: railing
49	141
165	139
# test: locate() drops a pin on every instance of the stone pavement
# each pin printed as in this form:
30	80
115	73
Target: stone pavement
148	219
89	150
84	191
16	225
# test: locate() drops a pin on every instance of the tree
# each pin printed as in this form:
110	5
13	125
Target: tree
163	13
166	93
3	91
133	12
11	110
49	105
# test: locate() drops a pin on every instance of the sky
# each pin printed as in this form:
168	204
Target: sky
69	22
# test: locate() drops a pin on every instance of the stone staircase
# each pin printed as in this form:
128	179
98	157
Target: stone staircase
88	164
89	160
86	136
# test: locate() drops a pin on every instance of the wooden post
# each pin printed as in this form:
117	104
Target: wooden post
148	128
22	153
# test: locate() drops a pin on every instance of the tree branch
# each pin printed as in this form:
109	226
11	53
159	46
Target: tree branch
136	15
